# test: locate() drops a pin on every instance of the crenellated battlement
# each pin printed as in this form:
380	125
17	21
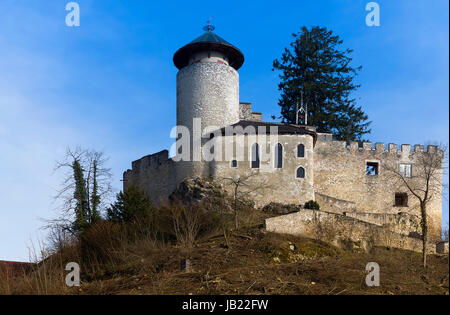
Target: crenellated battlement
153	174
361	172
150	161
378	147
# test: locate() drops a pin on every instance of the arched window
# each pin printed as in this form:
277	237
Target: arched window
278	156
255	155
300	172
300	151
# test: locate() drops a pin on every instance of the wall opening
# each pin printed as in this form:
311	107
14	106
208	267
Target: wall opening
300	151
255	155
405	170
372	168
300	172
278	156
401	199
211	150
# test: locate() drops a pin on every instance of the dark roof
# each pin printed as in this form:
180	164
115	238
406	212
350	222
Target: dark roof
210	37
212	42
282	128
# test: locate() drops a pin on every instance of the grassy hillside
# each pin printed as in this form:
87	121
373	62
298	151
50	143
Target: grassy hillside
250	261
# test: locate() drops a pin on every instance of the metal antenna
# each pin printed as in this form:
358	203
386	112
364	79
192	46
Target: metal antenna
303	109
306	114
209	27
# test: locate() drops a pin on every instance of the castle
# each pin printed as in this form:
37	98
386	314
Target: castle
295	162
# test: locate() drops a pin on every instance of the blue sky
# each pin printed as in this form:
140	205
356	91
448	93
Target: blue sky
110	83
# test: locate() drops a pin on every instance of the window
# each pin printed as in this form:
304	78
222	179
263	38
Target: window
300	172
300	151
372	168
255	156
405	170
211	150
234	163
401	199
278	156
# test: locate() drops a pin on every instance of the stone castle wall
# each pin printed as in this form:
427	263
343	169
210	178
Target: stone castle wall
334	205
159	176
154	174
273	184
402	223
340	172
342	230
335	176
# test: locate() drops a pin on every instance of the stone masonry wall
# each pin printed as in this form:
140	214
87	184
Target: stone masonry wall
340	230
279	185
402	223
340	172
245	111
154	174
209	91
334	205
159	176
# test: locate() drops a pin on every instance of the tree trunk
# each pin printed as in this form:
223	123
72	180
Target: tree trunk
424	233
236	224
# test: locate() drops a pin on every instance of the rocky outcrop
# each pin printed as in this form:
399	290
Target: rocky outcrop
205	190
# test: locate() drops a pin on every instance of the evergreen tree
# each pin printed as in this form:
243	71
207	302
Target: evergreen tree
95	198
316	66
131	205
81	207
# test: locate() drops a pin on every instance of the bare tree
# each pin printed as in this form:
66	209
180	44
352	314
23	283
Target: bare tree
85	189
242	187
423	181
187	222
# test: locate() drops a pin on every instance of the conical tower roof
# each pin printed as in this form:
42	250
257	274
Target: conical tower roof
209	41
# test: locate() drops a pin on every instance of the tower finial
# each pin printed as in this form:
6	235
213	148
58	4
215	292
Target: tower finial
209	27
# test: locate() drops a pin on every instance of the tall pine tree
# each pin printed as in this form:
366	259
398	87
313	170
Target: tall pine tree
315	65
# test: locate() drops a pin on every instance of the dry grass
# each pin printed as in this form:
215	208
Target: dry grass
248	261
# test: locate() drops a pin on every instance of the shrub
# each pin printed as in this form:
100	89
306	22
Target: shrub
312	205
325	229
189	222
130	206
100	242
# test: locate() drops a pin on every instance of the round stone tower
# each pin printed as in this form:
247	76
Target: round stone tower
208	81
207	90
